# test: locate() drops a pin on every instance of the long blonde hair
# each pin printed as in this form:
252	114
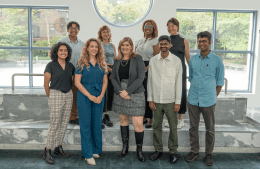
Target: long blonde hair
85	58
120	54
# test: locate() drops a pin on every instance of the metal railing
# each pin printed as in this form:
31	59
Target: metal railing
23	74
31	74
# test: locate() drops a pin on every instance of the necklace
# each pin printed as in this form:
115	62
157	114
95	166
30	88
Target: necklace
126	61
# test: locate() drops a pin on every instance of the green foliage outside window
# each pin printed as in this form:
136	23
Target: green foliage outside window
13	30
232	31
124	12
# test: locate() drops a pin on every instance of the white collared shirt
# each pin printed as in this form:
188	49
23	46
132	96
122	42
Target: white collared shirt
165	79
145	47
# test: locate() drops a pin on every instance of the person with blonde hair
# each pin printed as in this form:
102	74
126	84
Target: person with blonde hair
148	47
104	35
91	80
129	100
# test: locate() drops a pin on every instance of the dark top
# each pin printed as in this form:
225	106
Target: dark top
123	70
136	76
60	79
178	49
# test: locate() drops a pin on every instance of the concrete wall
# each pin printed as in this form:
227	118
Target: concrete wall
83	12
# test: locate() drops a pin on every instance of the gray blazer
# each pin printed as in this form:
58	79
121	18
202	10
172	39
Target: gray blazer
136	76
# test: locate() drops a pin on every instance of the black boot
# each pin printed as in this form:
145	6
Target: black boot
139	136
47	156
125	140
59	151
106	120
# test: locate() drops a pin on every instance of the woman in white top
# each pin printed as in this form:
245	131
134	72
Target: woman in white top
148	47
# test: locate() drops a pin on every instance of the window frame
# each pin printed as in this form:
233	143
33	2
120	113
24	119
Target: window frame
30	46
253	40
97	11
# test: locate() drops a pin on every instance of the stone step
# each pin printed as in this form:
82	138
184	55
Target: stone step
253	116
232	136
25	104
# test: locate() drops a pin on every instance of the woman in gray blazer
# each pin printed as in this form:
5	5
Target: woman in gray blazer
129	100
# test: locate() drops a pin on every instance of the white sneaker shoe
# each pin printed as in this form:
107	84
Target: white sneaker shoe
180	124
90	161
167	124
96	156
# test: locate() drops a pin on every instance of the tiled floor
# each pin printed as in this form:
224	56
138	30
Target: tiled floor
25	159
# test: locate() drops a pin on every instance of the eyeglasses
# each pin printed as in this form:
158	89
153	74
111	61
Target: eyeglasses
71	28
147	26
202	41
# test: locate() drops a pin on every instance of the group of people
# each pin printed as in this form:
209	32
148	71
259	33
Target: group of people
87	79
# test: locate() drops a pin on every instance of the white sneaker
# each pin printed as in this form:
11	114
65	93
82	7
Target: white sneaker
180	124
90	161
167	124
96	156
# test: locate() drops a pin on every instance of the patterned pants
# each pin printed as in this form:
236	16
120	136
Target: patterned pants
60	108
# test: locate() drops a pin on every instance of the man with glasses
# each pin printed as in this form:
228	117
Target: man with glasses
164	90
206	75
76	45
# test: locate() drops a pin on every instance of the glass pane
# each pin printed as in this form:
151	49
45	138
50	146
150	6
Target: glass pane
233	31
40	60
191	23
236	69
122	12
13	27
48	26
14	61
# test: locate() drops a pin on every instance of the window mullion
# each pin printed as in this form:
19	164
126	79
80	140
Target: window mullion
250	80
214	31
30	46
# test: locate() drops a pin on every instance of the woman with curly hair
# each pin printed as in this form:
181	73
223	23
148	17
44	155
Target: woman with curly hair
148	47
104	35
91	80
60	73
129	100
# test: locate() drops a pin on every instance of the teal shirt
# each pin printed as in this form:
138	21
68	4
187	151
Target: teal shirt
76	49
204	75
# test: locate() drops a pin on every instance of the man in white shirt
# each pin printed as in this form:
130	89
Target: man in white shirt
164	95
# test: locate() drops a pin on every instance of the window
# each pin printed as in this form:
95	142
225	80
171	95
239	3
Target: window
233	39
26	47
122	13
36	32
52	30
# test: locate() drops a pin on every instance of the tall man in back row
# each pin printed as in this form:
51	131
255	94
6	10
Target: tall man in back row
76	45
206	75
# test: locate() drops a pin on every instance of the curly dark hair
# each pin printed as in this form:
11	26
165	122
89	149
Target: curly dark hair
72	22
55	48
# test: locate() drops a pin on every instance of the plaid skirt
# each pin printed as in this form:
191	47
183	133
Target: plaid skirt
133	107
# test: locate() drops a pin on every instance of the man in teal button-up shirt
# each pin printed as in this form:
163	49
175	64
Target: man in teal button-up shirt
206	75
